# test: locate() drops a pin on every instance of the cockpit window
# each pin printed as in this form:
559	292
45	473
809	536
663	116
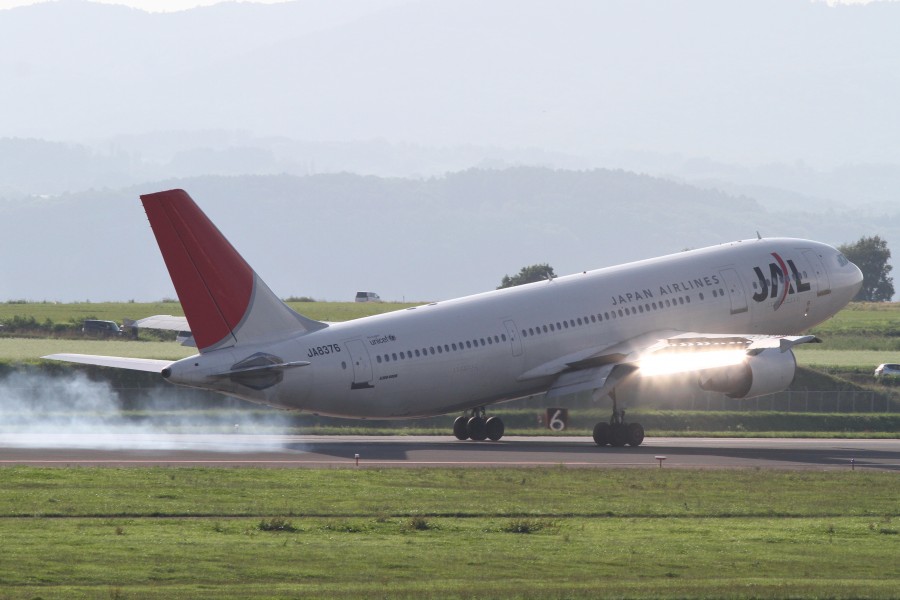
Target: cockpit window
842	260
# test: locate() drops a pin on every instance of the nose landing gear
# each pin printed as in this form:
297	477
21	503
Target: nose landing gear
476	427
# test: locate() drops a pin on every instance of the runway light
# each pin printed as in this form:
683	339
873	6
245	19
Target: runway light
356	457
683	362
660	459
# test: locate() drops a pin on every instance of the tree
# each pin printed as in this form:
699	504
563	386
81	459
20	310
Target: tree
528	275
871	255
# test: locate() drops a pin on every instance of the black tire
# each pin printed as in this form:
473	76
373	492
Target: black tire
619	435
476	428
602	434
494	428
635	434
459	428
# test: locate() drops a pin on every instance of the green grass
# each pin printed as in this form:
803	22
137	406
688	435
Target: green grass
863	317
447	533
31	349
818	358
464	493
117	311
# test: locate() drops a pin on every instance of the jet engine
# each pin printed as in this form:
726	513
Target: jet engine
765	372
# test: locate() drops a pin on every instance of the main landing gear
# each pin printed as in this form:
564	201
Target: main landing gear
617	432
476	427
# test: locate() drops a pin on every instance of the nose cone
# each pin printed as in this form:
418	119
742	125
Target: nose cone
857	280
849	280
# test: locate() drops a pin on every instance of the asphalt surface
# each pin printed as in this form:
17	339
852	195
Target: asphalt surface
290	451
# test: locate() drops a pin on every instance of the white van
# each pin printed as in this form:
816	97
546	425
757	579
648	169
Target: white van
367	297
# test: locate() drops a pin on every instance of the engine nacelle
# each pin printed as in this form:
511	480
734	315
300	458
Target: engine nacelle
767	372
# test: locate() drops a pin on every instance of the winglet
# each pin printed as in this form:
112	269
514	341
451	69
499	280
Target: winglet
224	300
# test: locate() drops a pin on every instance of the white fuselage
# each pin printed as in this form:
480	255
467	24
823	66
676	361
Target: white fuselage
473	351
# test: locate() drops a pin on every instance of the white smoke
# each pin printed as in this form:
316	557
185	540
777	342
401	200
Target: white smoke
73	411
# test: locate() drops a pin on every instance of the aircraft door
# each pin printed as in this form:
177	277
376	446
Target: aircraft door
362	366
735	291
820	273
514	340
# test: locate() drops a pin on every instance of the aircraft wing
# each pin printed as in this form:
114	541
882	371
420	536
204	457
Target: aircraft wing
150	365
602	369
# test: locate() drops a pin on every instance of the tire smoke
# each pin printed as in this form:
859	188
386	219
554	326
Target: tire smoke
73	411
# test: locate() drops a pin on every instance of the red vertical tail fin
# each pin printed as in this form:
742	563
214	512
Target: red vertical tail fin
224	300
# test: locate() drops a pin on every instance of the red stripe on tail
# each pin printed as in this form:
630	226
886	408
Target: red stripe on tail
214	283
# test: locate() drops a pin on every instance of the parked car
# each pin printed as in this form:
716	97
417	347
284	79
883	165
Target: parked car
887	370
367	297
100	328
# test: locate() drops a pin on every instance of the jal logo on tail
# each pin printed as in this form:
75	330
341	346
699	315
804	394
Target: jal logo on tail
780	282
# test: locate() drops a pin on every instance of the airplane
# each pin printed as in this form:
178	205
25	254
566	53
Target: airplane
729	314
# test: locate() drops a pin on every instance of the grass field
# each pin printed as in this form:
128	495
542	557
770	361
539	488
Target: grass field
454	533
880	318
117	311
818	358
31	349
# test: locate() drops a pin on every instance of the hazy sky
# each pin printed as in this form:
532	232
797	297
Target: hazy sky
784	101
147	5
174	5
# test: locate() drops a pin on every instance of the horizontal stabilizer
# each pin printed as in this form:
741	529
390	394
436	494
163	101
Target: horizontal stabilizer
149	365
163	322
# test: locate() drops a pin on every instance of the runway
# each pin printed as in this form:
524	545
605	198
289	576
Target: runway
293	451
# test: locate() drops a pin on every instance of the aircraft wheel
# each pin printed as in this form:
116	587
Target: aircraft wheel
476	428
601	434
459	428
494	428
635	434
619	436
